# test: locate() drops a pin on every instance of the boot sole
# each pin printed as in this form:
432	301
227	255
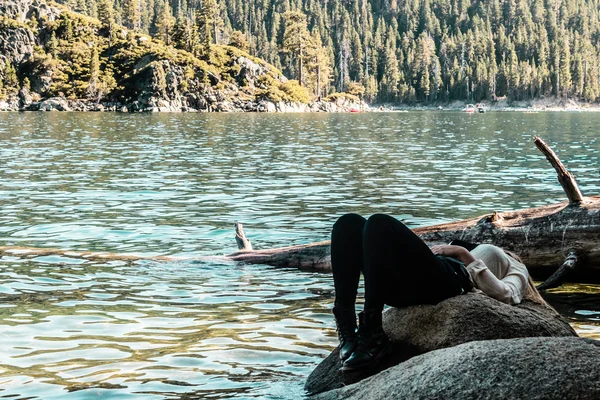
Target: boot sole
370	364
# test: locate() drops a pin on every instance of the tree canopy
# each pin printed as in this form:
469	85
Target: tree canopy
395	50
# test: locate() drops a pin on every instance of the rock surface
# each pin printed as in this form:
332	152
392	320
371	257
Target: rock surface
16	44
525	368
54	104
424	328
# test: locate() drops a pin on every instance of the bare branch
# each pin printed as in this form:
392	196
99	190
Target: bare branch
565	178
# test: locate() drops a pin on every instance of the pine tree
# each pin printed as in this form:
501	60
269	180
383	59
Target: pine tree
93	83
165	23
238	39
296	38
11	82
565	66
52	44
391	75
318	66
205	25
107	19
133	14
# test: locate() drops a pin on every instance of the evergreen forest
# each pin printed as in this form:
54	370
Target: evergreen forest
391	50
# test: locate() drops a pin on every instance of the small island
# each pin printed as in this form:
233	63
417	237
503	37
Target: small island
139	55
57	59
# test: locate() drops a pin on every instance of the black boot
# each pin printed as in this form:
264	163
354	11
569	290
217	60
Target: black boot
372	343
345	320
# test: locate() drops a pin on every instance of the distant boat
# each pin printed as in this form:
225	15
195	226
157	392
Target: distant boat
470	108
481	108
356	110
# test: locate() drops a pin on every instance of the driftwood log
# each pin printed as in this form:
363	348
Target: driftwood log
560	238
544	237
564	236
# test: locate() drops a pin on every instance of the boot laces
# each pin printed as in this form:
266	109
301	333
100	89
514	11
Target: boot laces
346	331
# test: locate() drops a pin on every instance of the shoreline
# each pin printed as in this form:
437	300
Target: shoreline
529	106
81	105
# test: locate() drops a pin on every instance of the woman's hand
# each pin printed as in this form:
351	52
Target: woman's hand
458	252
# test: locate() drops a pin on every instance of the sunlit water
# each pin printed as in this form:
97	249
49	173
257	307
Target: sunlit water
175	184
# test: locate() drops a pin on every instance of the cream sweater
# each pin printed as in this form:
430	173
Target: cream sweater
497	274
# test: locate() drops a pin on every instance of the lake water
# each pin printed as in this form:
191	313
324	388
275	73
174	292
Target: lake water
175	184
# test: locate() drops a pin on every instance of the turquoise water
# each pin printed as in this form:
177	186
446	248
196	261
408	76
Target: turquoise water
175	184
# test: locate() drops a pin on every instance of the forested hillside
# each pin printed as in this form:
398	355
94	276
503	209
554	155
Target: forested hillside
396	50
54	58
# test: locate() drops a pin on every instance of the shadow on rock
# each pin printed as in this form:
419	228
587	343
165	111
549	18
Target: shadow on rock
523	368
424	328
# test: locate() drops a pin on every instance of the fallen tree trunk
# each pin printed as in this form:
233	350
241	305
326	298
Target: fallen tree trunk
547	237
543	237
566	234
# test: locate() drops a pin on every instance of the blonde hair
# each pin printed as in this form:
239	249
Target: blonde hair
532	294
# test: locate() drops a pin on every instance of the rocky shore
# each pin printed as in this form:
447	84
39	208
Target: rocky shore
52	59
470	347
550	104
210	103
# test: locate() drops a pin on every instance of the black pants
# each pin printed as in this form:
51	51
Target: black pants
399	269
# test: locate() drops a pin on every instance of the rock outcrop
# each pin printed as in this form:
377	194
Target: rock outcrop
420	329
16	44
52	48
54	104
21	10
525	368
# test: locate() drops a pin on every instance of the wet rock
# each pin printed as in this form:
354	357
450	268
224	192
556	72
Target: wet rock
78	105
525	368
54	104
223	106
10	104
266	106
283	106
196	102
421	329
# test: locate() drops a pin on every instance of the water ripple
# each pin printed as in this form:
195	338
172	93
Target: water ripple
175	184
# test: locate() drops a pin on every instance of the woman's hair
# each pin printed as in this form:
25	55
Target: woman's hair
532	294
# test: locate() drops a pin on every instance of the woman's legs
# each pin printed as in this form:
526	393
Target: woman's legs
347	258
346	264
399	268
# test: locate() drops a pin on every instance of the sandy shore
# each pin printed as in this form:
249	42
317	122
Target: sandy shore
546	104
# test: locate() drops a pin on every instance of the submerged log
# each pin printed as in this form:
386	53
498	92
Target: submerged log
561	274
543	236
96	256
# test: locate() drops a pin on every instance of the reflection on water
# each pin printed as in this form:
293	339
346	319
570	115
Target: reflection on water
162	329
580	304
175	184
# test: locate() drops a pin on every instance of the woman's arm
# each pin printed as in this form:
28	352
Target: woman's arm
509	289
496	288
457	252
